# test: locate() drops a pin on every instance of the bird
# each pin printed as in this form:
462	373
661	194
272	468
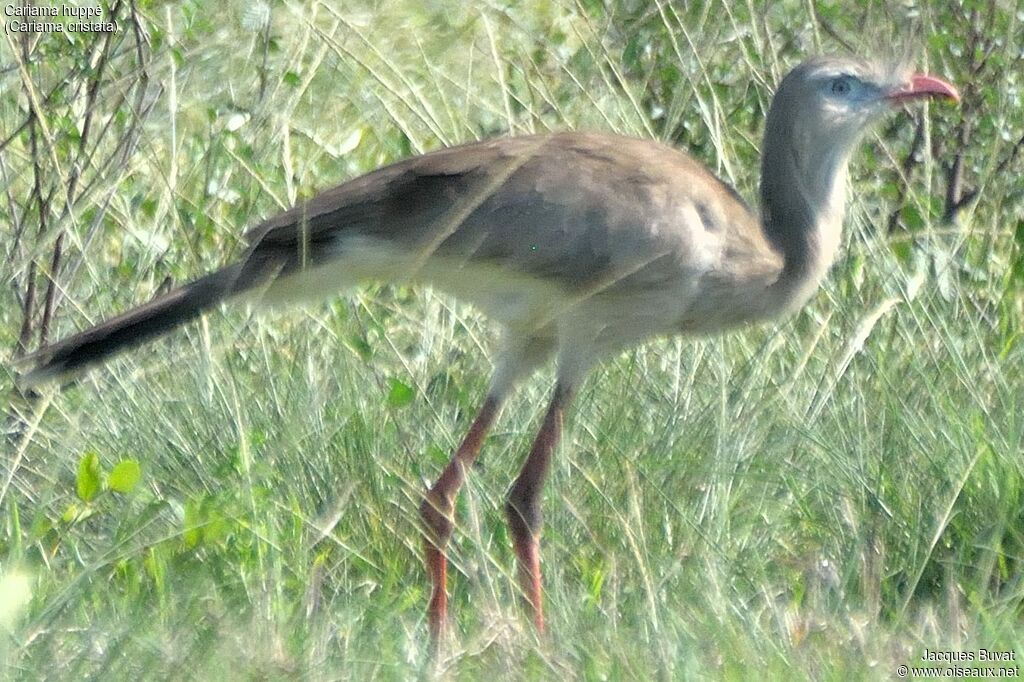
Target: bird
578	245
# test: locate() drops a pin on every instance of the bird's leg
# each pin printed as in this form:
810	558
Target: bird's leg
523	506
437	510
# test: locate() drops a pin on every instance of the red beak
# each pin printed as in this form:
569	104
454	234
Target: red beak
923	86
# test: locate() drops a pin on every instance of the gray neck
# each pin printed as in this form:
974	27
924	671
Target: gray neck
803	192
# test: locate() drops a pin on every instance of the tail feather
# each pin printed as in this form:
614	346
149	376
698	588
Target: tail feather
132	328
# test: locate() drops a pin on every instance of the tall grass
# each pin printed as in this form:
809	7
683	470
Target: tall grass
825	498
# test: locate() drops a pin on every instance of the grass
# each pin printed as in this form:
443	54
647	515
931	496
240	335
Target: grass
825	499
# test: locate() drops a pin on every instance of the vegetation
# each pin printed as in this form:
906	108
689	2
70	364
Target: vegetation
823	499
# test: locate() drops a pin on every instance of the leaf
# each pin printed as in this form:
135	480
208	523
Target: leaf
125	476
1017	266
942	266
192	531
400	394
438	456
215	528
902	250
857	270
911	218
90	477
70	514
359	344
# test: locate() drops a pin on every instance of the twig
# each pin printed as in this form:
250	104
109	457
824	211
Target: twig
909	162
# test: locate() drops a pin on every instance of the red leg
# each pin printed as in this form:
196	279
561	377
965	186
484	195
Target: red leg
523	507
436	512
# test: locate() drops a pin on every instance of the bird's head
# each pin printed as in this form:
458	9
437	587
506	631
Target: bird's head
821	110
826	104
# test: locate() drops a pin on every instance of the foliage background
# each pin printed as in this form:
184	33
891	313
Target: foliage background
826	498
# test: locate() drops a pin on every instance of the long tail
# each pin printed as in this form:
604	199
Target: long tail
133	328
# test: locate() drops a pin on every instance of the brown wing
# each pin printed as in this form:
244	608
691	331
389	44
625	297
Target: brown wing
571	207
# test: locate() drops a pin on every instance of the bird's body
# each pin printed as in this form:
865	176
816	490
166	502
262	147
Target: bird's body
577	244
544	235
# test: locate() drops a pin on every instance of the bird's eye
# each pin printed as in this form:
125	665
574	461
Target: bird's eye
841	86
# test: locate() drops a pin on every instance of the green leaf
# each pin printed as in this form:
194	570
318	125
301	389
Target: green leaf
90	477
437	455
359	344
912	218
400	394
125	476
193	531
148	207
902	250
41	525
215	529
857	270
70	514
1017	265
